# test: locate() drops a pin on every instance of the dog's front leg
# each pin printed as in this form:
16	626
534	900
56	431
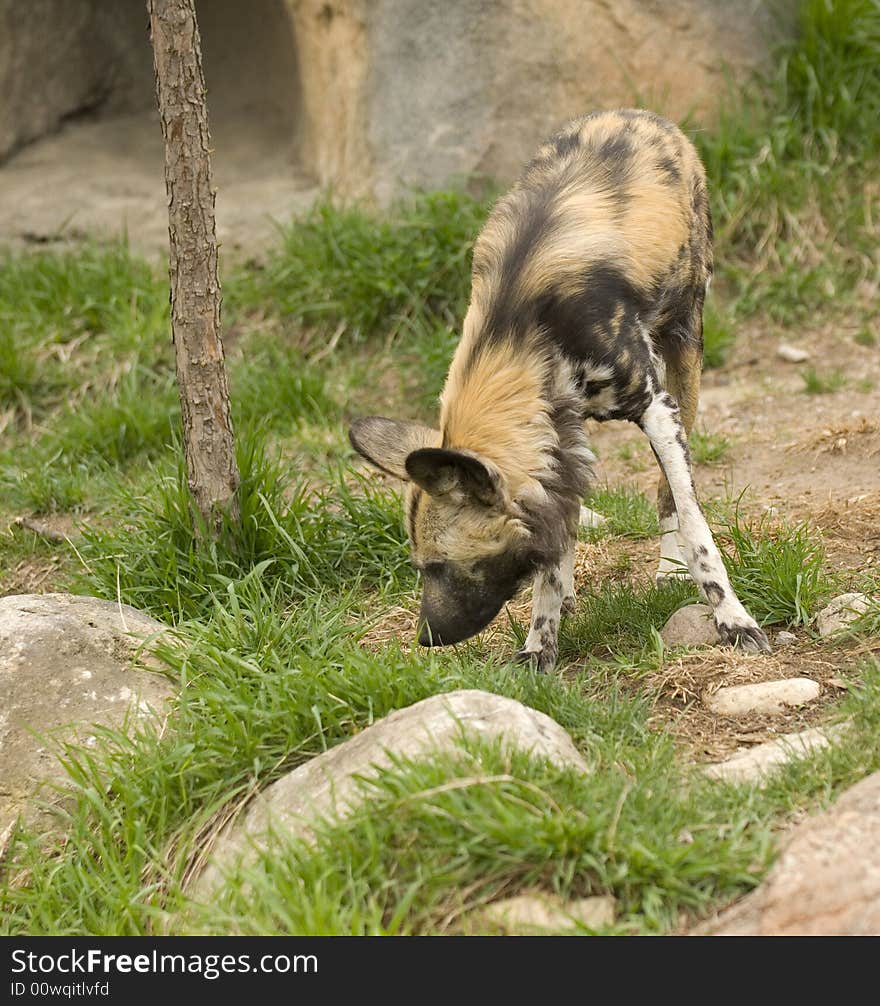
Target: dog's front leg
552	593
662	424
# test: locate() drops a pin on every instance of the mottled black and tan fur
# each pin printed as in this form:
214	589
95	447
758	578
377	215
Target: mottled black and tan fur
588	285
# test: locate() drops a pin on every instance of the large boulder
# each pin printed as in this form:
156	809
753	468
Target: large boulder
66	663
330	784
827	880
418	92
373	95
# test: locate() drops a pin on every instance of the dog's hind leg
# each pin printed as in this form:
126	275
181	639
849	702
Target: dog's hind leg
683	364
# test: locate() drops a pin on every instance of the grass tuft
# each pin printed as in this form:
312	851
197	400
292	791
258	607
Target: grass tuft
822	384
708	448
777	571
156	557
367	274
628	513
785	158
718	335
619	621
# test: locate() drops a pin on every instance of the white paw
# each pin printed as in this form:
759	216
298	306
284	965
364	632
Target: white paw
746	636
542	660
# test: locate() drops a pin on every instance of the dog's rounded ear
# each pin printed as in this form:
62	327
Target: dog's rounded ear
439	470
386	443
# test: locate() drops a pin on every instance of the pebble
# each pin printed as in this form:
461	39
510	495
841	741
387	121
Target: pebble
590	518
765	697
531	914
785	638
692	625
756	763
841	612
791	354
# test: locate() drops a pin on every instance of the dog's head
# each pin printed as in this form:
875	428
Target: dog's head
468	537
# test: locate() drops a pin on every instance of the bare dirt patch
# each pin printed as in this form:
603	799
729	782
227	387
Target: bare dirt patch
684	678
106	178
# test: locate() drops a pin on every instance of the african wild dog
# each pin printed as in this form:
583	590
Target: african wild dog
588	285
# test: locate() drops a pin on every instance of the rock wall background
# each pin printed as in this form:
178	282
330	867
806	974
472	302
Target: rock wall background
372	95
68	59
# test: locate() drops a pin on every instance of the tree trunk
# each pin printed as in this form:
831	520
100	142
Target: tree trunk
212	471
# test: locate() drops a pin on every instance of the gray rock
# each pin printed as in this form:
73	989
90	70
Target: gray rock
536	914
66	663
841	612
791	354
785	638
766	697
757	763
403	92
59	58
692	625
827	880
328	785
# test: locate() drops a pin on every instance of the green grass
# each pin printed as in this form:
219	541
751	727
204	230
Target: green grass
718	334
350	309
271	385
338	538
73	323
620	622
708	448
777	572
628	513
441	839
822	384
267	687
787	157
437	841
87	370
369	274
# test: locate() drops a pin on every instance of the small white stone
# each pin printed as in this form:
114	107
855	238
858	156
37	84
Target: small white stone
763	697
756	763
692	625
841	612
529	914
785	638
791	354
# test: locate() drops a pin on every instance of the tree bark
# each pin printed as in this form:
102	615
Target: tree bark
209	447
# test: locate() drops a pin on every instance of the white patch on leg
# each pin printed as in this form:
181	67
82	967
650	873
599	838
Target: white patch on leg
657	360
589	518
566	575
672	561
663	427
